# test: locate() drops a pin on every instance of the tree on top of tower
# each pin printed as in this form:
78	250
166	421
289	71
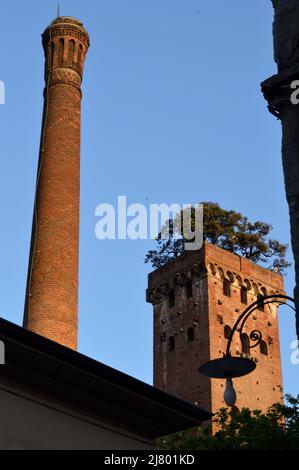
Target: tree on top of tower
229	230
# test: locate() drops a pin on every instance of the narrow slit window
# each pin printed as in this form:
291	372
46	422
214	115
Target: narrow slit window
245	344
52	55
80	51
189	289
261	305
227	331
171	299
71	52
171	343
226	287
60	51
190	335
244	295
263	348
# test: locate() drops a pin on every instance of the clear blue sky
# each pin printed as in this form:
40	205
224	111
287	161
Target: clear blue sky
172	112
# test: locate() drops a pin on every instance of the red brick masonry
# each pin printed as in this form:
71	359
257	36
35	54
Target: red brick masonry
51	307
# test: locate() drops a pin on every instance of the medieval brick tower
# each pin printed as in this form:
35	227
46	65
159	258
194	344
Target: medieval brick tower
51	305
197	299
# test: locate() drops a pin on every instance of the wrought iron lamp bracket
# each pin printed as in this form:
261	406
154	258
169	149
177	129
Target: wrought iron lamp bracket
256	335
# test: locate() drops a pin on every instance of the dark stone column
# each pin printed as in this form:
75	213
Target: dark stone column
278	92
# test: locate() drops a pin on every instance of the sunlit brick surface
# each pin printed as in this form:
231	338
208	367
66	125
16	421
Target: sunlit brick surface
51	307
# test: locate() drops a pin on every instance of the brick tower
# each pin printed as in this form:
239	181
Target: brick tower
51	304
197	299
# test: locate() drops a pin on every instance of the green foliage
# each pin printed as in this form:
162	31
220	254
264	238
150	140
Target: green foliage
244	430
228	229
167	250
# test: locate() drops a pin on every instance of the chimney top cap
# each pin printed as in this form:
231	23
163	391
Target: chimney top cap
68	20
67	23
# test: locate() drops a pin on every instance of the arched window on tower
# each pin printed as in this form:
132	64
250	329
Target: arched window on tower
227	331
80	52
71	52
60	51
263	348
171	343
226	287
244	295
245	344
190	335
51	58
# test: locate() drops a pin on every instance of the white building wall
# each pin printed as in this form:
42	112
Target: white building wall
28	424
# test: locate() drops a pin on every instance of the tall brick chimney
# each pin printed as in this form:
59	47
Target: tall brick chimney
51	304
